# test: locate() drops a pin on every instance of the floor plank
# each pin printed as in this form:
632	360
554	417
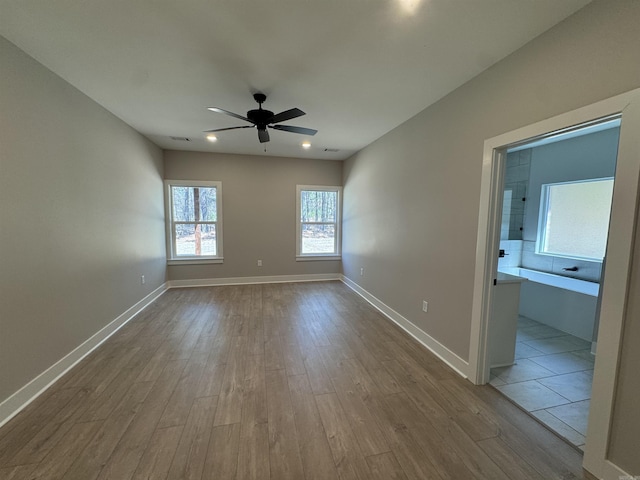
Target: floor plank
385	467
230	400
30	422
191	452
513	466
62	456
347	455
362	421
52	432
445	460
284	453
89	463
125	458
157	458
317	460
253	456
22	472
222	457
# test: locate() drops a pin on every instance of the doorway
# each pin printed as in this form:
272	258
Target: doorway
555	220
615	284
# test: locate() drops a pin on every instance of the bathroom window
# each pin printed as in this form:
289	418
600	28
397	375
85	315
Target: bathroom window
574	219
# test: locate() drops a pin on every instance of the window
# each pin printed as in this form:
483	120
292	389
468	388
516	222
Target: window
574	219
194	221
318	222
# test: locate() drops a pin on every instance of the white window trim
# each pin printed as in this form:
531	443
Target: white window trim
300	257
172	259
542	220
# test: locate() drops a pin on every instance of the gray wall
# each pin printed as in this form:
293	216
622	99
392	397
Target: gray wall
81	218
411	198
259	217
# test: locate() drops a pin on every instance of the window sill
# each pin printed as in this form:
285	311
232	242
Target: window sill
194	261
313	258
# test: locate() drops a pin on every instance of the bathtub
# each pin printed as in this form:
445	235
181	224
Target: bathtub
567	304
566	283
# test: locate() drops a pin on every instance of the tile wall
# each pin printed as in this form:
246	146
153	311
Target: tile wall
516	182
589	271
513	253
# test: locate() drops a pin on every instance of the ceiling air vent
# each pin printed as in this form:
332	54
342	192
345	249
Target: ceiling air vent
180	139
332	150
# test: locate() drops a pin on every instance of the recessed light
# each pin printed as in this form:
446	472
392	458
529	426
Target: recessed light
409	7
212	138
306	145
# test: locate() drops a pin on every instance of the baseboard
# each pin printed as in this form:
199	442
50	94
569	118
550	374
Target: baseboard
443	353
212	282
23	397
500	365
612	472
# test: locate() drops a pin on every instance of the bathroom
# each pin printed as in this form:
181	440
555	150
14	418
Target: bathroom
559	255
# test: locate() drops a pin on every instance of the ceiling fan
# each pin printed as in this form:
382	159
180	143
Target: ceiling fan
264	118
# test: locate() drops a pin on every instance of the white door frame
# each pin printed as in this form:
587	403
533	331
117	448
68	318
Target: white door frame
619	250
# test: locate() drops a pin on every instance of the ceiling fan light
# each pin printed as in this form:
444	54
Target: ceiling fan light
212	138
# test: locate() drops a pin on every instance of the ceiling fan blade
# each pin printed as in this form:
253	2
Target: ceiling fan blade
228	128
292	129
231	114
263	135
286	115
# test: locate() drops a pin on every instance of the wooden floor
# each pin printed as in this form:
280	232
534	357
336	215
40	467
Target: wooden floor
283	381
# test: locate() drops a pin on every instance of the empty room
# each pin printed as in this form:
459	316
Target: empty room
319	239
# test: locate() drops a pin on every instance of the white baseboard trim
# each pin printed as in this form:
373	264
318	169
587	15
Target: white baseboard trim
23	397
212	282
443	353
614	472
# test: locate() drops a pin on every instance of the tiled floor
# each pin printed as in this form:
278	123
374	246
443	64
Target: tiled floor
551	378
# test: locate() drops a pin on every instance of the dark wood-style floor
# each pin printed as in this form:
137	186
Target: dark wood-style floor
283	381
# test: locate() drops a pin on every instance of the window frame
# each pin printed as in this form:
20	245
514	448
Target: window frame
336	255
172	258
542	220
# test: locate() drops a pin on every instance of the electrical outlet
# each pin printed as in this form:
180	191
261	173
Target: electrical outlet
259	263
425	306
361	271
142	280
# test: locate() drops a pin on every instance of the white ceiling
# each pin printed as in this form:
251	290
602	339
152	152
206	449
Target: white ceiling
358	68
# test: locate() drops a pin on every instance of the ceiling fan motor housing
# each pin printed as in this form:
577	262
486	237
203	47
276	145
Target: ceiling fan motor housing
260	117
